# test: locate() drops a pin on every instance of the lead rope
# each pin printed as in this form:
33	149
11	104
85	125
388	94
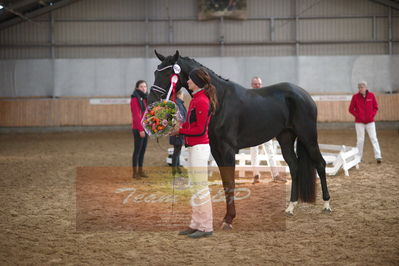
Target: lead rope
173	194
173	181
172	91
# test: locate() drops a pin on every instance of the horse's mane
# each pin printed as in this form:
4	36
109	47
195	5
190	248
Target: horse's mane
210	70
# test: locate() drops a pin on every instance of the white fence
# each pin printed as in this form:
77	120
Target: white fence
336	157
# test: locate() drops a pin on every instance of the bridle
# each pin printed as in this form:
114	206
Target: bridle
173	81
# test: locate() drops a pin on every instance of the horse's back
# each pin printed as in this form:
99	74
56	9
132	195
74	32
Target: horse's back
290	93
285	87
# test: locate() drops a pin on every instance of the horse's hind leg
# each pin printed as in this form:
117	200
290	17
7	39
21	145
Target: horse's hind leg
286	139
320	164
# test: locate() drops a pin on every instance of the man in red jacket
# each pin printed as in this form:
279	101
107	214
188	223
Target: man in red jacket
364	107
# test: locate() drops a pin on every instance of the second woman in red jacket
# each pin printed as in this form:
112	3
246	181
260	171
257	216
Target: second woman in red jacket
364	107
138	104
195	131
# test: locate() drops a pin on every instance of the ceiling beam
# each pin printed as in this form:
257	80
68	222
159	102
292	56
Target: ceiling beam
390	3
35	13
18	4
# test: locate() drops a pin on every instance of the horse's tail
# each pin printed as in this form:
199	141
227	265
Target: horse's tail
306	174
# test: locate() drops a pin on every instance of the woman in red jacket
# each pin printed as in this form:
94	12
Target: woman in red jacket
195	131
138	105
364	107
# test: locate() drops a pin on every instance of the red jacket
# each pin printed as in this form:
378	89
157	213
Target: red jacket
195	129
363	108
137	114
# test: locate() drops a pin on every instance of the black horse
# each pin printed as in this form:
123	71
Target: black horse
246	118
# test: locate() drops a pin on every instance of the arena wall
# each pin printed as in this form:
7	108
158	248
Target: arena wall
41	112
116	77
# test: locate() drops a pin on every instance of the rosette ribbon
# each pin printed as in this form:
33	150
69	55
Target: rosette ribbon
172	89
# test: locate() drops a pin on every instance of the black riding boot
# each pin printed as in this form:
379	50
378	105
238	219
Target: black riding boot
179	171
135	174
174	171
141	172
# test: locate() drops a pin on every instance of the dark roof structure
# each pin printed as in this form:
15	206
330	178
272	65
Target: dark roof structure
390	3
16	11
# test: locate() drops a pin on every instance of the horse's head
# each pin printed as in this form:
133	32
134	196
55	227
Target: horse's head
169	66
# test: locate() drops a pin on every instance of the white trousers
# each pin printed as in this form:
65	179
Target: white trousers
201	218
269	150
370	128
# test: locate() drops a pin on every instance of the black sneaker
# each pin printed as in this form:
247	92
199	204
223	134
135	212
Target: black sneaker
187	231
379	160
199	234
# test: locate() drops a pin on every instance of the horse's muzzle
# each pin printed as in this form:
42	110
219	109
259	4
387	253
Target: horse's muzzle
155	94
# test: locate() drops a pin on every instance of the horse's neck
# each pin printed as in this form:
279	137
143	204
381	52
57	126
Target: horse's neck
219	82
224	84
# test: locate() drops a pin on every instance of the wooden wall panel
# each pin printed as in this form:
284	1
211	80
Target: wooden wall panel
61	112
79	112
333	111
388	107
337	111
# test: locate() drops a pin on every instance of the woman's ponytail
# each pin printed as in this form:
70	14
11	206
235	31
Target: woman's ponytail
210	91
203	80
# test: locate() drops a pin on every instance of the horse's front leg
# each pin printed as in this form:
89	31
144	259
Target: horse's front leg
225	158
227	174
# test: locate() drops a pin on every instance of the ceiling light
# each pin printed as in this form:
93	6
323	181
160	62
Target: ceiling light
1	6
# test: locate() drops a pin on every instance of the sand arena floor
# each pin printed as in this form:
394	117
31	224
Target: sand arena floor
42	202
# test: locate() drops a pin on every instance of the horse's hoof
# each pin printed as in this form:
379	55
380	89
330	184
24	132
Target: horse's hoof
226	226
289	213
256	180
290	209
326	207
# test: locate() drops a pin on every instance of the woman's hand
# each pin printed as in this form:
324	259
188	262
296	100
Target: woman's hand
142	134
175	132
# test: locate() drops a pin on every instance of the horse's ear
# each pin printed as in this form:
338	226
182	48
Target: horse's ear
176	56
160	57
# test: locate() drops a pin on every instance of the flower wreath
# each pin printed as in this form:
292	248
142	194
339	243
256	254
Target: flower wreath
162	117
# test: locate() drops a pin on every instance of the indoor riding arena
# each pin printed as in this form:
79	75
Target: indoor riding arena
68	70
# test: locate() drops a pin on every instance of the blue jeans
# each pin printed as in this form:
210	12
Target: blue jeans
140	144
